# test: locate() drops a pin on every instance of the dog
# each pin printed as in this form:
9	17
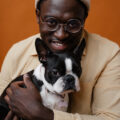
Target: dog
56	76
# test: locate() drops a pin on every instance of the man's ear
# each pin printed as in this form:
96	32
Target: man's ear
42	50
79	50
38	15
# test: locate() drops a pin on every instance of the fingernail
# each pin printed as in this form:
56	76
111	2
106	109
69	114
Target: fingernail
26	75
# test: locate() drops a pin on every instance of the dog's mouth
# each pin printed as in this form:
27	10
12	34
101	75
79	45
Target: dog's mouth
67	92
62	94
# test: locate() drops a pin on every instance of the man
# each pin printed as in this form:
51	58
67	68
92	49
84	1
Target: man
61	25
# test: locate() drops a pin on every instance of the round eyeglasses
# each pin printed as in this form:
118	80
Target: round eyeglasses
71	26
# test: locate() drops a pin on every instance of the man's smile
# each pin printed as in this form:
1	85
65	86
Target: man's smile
58	45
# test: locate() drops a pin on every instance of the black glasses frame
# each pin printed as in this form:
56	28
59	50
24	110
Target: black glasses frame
43	21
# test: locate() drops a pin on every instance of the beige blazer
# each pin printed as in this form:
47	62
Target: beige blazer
99	97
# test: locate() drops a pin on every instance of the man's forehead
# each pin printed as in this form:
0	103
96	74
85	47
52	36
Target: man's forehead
63	9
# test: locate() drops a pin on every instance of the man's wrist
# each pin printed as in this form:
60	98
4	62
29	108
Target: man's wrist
47	114
51	115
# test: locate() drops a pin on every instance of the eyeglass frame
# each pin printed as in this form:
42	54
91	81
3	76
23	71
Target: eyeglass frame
64	24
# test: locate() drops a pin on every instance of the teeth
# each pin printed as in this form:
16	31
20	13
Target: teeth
59	44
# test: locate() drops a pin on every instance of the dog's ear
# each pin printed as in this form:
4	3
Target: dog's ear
42	50
79	49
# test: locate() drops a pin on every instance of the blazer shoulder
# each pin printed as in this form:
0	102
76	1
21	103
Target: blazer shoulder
22	50
102	44
23	46
26	42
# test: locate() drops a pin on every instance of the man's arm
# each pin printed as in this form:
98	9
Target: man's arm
6	70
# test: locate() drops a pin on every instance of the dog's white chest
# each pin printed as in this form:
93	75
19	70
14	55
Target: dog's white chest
54	101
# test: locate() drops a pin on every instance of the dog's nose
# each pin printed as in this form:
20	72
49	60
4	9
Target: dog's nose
69	82
69	79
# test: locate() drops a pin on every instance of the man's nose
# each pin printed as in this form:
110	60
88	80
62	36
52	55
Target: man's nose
60	33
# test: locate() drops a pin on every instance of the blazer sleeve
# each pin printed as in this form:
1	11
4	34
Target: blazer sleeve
6	70
106	96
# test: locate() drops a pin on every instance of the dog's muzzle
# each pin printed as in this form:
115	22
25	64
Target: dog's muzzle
69	81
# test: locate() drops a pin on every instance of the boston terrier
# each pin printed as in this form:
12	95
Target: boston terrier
56	76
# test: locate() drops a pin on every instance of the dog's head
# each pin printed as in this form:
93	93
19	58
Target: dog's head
61	70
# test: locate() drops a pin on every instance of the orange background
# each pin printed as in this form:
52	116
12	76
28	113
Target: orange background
18	21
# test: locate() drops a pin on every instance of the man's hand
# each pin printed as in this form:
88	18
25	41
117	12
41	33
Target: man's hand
26	102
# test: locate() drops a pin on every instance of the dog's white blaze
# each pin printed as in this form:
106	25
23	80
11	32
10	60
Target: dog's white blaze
68	64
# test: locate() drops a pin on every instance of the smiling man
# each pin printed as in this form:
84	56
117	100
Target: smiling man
61	24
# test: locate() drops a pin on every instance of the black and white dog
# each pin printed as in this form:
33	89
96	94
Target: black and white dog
57	75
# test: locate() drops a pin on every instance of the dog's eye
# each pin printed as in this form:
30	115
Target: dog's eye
55	72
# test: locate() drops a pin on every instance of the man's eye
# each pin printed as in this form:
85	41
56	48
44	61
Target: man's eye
51	22
74	24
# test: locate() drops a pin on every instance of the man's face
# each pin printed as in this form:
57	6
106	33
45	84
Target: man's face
62	10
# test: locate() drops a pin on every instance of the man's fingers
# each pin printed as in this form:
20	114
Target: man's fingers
9	116
9	91
7	99
28	81
17	84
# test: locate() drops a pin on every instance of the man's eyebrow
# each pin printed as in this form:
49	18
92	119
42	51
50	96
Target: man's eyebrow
47	16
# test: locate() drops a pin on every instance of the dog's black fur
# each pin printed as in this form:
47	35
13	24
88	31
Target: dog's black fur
4	109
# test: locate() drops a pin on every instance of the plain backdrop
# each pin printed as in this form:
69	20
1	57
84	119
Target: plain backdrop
18	21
